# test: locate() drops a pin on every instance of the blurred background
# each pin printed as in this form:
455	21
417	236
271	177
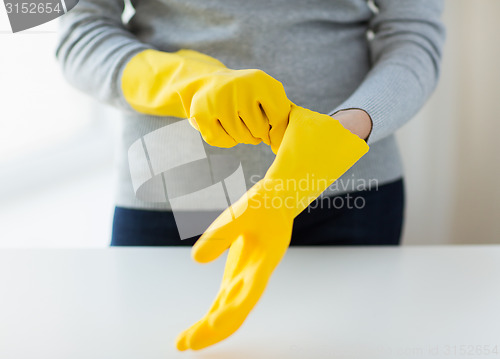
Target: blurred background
57	145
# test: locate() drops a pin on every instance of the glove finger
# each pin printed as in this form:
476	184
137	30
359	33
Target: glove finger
224	317
242	286
216	239
255	120
200	335
235	126
222	232
243	283
206	118
181	341
277	111
213	133
278	121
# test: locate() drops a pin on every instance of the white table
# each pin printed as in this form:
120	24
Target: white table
344	302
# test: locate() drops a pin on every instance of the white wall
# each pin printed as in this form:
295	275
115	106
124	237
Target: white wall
56	149
450	149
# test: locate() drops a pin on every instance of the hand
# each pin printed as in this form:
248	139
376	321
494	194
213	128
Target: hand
240	106
227	106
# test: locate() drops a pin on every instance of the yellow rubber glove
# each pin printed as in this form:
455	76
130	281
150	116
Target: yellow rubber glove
227	106
316	150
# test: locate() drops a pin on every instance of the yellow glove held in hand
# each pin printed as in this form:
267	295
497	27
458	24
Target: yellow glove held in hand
227	106
316	150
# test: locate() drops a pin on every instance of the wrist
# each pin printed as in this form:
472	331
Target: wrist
355	120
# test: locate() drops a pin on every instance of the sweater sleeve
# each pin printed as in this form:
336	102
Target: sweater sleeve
94	46
405	52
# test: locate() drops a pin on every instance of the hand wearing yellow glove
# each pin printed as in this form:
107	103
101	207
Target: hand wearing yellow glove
227	106
316	150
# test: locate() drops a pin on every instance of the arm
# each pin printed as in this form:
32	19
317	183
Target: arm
94	45
406	53
100	57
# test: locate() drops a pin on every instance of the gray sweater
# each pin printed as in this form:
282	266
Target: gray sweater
329	54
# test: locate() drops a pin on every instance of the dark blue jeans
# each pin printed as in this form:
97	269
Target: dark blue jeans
369	217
